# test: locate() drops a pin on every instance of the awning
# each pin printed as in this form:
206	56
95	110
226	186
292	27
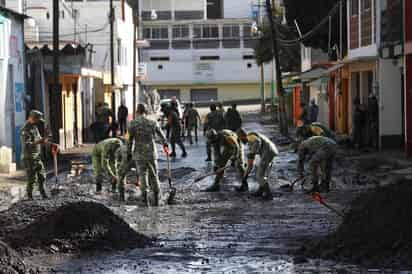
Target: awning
312	74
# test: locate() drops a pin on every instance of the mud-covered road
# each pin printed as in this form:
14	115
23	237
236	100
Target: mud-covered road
223	232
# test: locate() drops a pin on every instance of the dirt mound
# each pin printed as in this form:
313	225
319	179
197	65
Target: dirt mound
68	226
12	263
375	232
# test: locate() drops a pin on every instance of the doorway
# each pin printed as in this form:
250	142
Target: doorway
10	106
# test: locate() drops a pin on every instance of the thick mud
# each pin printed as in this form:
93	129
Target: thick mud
375	232
227	232
66	226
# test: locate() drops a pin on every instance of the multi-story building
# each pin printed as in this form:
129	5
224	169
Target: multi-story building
370	68
12	86
202	50
85	63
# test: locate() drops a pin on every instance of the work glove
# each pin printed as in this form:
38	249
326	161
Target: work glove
166	148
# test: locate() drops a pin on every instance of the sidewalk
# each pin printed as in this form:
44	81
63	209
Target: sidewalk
13	185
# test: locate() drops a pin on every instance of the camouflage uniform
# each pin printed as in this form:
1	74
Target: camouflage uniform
36	173
123	165
103	159
142	135
261	145
193	118
176	130
232	150
322	151
314	129
214	120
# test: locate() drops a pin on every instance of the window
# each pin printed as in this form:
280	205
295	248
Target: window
205	58
231	31
156	33
354	7
180	32
366	4
160	58
206	31
248	57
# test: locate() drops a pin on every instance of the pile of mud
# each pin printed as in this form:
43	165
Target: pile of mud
69	226
11	262
377	231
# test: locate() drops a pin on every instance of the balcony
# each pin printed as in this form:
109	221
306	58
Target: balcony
216	34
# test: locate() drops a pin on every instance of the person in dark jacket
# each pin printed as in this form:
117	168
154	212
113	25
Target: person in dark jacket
122	114
313	111
358	123
233	119
175	131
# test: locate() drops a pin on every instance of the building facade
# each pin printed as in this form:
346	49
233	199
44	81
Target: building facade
201	51
12	85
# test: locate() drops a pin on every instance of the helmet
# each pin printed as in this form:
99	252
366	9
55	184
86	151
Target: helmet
211	134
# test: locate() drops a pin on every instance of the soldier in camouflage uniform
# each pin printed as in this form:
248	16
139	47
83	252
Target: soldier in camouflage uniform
31	149
193	120
267	150
176	131
123	165
322	151
103	159
232	151
214	120
304	132
142	136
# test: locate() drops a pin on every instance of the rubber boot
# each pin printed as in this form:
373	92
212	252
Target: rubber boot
267	193
325	187
213	188
244	187
315	188
29	196
122	197
43	192
98	187
184	154
144	199
113	187
156	199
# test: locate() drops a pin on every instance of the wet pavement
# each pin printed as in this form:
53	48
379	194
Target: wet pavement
223	232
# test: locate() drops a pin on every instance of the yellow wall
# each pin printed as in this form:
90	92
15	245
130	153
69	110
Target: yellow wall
226	92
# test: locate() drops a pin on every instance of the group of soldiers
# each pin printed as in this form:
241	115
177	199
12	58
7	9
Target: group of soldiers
116	156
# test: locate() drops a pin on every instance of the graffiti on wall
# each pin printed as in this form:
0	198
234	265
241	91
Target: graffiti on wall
19	97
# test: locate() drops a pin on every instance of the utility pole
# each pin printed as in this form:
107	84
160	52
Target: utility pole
281	91
340	29
135	26
262	66
112	75
55	116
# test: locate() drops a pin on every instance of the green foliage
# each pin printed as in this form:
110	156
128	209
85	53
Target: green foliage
289	55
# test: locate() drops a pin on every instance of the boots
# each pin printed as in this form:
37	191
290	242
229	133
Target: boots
244	187
156	198
113	187
325	187
213	188
144	199
267	193
122	197
184	154
315	188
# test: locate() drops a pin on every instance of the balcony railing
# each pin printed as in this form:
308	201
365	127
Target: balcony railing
206	35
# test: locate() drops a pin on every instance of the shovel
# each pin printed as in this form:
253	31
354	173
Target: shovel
317	197
290	187
55	152
200	178
172	192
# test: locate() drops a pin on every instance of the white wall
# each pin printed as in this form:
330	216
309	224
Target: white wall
390	98
14	107
238	8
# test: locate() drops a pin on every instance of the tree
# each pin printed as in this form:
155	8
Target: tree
289	55
308	14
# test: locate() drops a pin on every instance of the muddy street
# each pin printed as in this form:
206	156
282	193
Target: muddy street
224	232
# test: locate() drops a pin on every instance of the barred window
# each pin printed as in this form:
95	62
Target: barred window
206	31
156	33
181	32
231	31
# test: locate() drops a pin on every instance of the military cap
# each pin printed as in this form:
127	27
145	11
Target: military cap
36	114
